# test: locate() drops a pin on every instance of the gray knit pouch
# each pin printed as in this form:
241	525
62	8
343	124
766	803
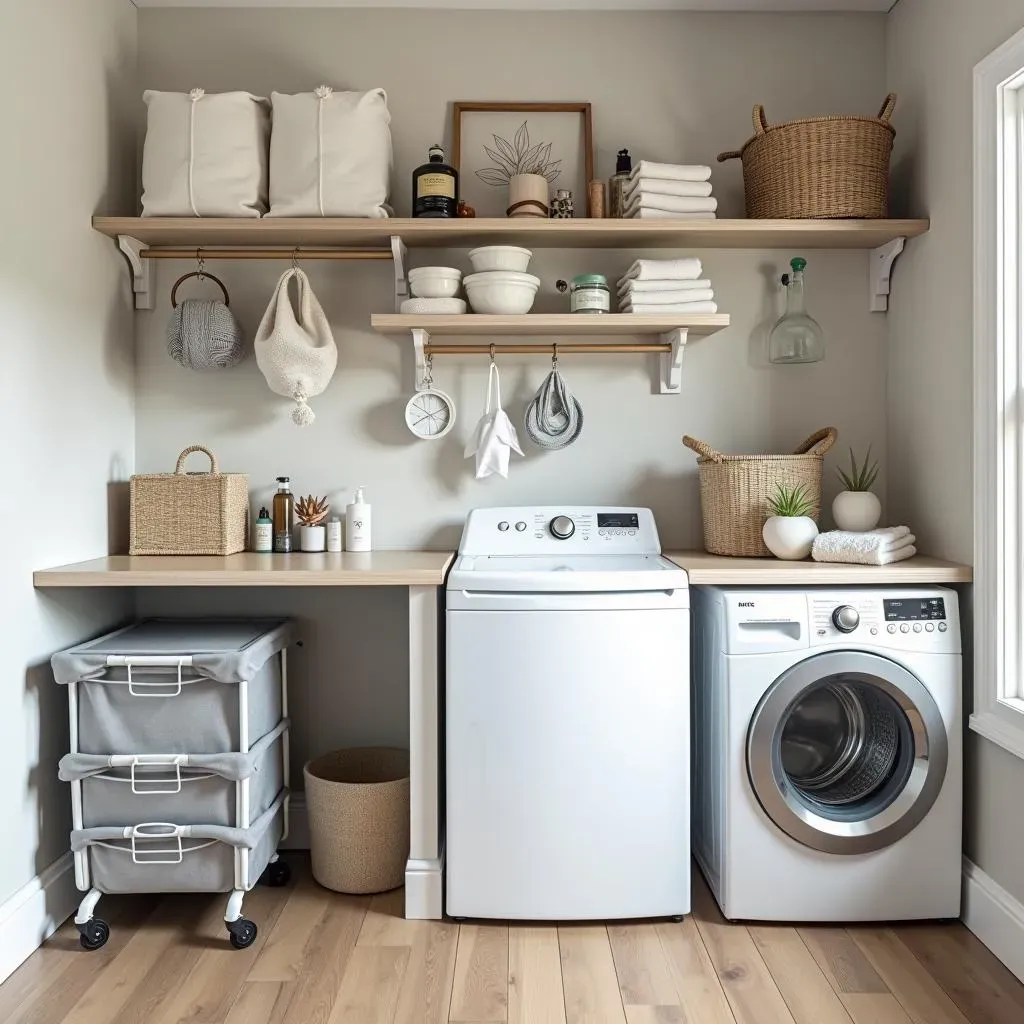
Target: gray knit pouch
554	419
203	334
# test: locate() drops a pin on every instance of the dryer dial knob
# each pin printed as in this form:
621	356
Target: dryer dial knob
846	618
562	527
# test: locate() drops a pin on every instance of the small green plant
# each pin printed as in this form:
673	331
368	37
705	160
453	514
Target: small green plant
790	501
862	477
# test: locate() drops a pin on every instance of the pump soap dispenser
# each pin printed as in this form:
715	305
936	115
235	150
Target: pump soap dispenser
357	523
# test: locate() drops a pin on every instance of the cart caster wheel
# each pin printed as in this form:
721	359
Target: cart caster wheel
243	933
94	934
277	874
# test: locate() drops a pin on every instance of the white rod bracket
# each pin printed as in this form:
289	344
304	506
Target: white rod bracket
399	253
672	362
880	271
420	340
140	270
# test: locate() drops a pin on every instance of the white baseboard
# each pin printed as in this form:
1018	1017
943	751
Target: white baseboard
298	823
35	912
995	916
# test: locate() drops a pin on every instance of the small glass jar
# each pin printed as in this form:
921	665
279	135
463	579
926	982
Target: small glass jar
590	294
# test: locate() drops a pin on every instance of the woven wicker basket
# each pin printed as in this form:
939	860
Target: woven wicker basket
183	513
819	167
734	490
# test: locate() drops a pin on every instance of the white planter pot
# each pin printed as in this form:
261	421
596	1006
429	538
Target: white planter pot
789	537
313	538
856	511
531	189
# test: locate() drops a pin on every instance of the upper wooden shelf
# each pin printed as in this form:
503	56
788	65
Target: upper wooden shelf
549	324
315	232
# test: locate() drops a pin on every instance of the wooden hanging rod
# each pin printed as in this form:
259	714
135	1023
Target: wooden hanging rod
266	254
572	348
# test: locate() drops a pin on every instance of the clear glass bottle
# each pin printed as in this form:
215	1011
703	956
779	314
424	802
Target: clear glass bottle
796	337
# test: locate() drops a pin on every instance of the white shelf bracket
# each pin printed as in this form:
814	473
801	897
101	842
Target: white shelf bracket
672	362
420	340
880	270
140	270
399	253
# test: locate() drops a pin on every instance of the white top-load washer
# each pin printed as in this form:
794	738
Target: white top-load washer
828	752
567	718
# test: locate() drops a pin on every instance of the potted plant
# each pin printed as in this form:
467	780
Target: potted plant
789	531
312	512
856	508
526	170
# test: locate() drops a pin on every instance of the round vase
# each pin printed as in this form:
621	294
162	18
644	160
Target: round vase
789	537
856	511
313	538
527	196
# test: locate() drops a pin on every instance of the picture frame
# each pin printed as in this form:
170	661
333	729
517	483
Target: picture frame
577	158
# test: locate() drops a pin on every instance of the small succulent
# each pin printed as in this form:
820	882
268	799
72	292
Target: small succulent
790	501
518	157
860	478
312	511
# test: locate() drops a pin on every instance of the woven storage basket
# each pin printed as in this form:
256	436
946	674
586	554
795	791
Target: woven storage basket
358	806
734	490
183	513
819	167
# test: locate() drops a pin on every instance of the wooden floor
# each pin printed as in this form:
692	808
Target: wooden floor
321	958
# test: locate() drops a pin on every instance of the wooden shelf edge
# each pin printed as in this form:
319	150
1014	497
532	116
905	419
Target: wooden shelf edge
539	324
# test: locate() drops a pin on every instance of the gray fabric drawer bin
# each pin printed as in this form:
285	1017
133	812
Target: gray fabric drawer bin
203	862
127	707
202	789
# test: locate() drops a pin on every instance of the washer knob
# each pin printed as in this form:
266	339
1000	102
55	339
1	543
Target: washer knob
562	527
846	618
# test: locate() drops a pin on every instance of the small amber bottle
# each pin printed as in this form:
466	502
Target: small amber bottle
284	515
435	187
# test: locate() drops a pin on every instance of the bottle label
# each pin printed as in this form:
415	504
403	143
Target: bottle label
435	185
283	542
264	538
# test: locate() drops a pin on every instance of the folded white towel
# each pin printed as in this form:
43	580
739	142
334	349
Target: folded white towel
667	298
649	287
686	269
646	213
677	172
875	547
668	187
650	309
677	204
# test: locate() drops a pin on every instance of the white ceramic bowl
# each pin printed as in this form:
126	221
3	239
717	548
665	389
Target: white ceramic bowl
501	292
435	282
500	257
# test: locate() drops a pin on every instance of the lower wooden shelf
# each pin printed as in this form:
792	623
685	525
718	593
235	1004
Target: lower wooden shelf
547	325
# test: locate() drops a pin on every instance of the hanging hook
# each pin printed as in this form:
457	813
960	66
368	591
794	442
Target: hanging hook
428	366
491	349
554	355
295	258
200	264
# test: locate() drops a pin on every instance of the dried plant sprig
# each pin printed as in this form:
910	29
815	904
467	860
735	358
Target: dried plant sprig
862	477
312	511
790	501
518	157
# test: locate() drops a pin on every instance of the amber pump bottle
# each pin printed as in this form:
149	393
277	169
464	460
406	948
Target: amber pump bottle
284	514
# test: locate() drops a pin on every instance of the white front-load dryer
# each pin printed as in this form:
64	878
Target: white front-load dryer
827	752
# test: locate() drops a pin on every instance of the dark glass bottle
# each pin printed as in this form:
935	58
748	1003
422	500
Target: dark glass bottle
435	187
284	512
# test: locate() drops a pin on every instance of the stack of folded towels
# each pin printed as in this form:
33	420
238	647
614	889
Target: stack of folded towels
670	192
666	286
875	547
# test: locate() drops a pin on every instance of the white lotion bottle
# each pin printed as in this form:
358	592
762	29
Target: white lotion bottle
357	523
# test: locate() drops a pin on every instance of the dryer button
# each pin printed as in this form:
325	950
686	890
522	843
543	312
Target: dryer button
943	627
917	627
520	526
891	627
503	526
929	627
874	631
904	627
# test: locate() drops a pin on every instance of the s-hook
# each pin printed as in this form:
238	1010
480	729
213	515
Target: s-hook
554	355
295	258
200	265
491	350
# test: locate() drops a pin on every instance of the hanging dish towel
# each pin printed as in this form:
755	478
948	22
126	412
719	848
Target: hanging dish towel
495	438
875	547
554	419
295	349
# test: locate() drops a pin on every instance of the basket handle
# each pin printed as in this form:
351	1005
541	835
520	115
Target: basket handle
819	442
887	108
205	275
732	154
760	120
703	449
179	468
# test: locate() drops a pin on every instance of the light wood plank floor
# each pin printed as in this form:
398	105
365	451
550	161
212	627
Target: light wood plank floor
322	958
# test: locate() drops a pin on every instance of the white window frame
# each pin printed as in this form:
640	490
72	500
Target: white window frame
998	390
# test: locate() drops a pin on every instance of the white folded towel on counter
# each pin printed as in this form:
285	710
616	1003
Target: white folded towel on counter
651	309
677	172
666	298
875	547
668	187
686	269
650	287
646	213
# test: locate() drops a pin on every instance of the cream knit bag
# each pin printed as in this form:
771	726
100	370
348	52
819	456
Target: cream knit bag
294	346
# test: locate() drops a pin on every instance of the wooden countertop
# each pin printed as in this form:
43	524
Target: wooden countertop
771	572
349	569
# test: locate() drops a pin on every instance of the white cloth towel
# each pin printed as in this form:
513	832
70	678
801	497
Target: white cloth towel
874	547
677	298
651	287
495	438
686	269
677	172
668	187
676	204
649	309
646	213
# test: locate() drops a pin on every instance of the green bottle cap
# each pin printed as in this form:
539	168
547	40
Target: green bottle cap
798	263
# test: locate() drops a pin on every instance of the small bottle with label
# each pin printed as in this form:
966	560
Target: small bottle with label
284	516
435	187
357	523
264	533
618	184
334	534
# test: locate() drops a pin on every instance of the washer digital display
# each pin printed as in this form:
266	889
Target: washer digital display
914	610
618	521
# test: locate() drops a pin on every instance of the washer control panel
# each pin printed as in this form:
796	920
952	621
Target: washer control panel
917	609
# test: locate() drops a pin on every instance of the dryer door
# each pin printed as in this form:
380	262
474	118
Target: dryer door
847	752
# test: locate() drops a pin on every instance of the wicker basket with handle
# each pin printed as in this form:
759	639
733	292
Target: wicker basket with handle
183	513
734	490
819	167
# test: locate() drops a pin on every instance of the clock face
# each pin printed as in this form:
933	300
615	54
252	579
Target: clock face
430	414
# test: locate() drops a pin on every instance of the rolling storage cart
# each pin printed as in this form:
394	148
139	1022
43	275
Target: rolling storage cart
179	762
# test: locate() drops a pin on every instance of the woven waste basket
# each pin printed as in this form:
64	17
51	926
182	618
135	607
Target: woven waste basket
358	805
734	490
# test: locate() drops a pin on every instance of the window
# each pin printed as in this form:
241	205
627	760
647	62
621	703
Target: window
999	395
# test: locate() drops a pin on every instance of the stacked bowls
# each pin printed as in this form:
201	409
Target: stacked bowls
434	290
500	284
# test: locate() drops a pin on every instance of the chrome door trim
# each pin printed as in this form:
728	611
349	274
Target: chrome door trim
779	798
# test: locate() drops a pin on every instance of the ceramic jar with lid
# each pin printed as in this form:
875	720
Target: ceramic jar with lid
590	293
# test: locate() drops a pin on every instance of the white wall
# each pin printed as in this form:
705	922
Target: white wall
66	392
933	46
